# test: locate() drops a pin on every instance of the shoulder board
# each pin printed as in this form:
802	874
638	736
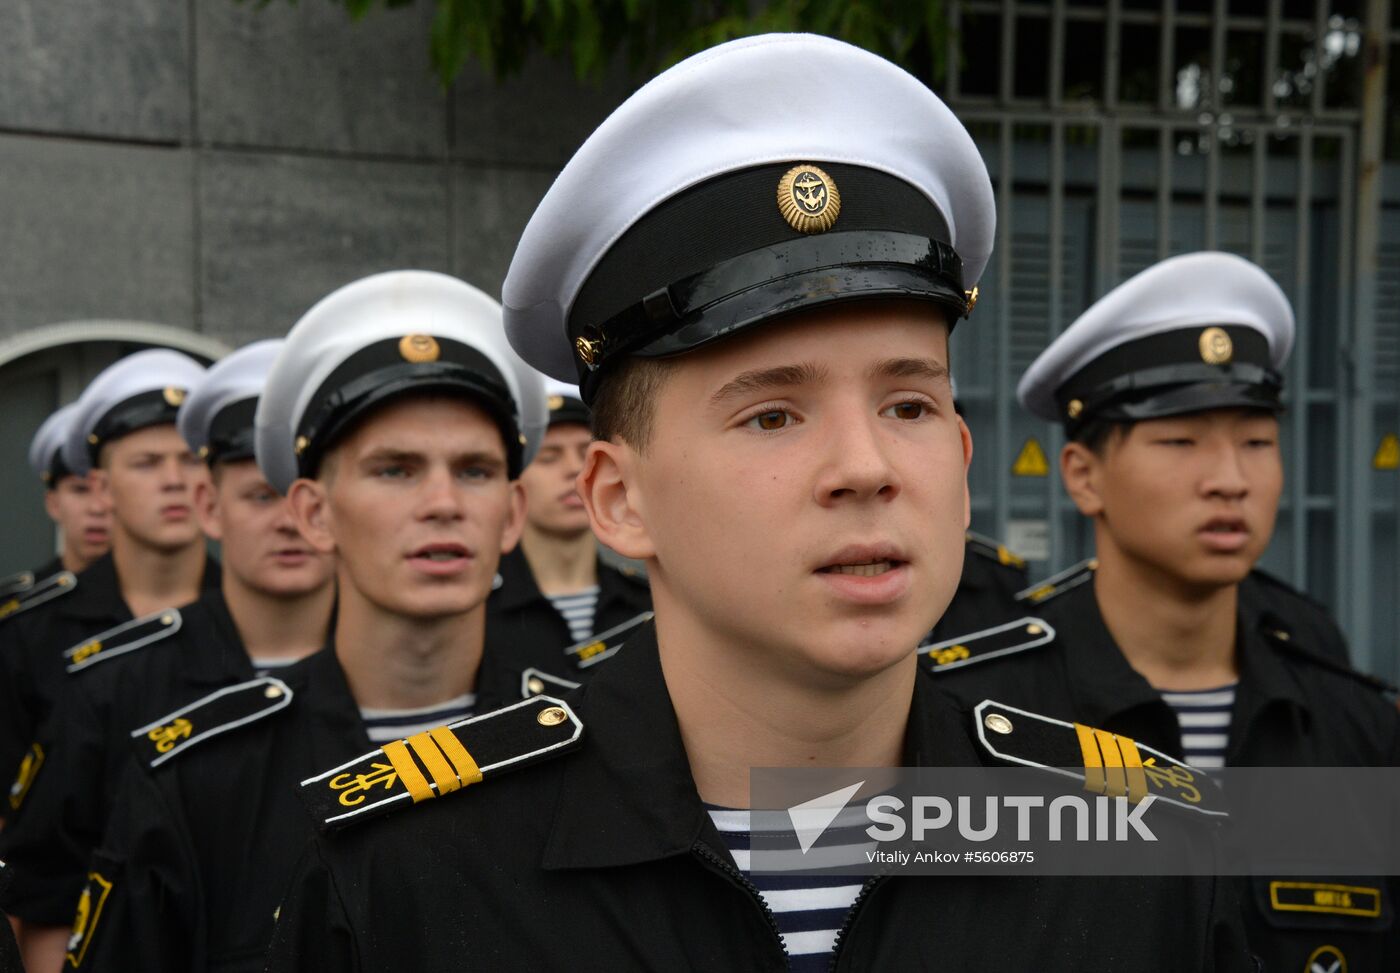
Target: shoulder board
221	711
990	643
48	589
1287	590
123	639
1058	584
441	760
535	681
604	645
15	583
997	551
1106	763
1278	635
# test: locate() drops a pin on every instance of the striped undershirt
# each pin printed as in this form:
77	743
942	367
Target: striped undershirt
267	667
384	725
810	908
1204	715
578	609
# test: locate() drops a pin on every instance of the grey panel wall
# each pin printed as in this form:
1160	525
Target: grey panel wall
220	165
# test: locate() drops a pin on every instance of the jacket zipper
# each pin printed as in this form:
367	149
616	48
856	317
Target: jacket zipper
861	896
726	867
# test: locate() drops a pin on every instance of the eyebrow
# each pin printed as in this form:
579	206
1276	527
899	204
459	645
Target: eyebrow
767	379
479	457
925	368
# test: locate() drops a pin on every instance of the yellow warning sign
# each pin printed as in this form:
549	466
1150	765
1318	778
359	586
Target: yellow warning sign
1031	461
1387	453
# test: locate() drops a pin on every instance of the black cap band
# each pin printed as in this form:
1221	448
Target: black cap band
230	435
157	407
56	470
1173	373
721	257
566	408
378	373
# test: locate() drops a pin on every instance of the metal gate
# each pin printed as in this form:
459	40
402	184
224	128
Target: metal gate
1118	134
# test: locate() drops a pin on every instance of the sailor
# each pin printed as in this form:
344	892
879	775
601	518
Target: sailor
272	607
1169	389
556	587
81	514
751	268
124	433
397	421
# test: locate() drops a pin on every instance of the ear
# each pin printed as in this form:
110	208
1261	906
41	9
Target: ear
51	503
966	435
515	518
206	508
611	492
310	506
1080	470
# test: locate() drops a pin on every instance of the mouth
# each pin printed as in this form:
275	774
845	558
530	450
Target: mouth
1225	535
441	553
865	561
1225	525
866	569
175	511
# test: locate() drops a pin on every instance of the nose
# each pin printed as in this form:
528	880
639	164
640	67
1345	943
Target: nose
1225	477
857	466
441	496
176	473
285	523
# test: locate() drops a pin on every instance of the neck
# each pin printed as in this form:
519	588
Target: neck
393	661
561	564
735	712
1178	636
72	559
281	627
152	579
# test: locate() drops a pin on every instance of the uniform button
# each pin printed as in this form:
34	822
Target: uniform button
998	723
1034	630
536	685
552	716
272	692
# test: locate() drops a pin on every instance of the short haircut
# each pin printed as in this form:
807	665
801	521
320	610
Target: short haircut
625	406
1096	434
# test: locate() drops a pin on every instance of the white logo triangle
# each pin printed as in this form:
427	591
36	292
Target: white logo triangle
811	818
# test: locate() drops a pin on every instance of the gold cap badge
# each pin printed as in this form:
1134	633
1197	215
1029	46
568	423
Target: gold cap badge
556	402
1216	347
418	348
173	396
808	199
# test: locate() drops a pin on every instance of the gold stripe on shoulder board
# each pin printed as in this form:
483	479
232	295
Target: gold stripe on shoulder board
1108	764
441	761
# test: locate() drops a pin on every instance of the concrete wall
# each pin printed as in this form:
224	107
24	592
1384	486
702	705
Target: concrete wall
213	165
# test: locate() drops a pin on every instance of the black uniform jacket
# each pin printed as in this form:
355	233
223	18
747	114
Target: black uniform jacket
32	646
9	951
198	850
86	745
518	615
1307	617
986	593
605	859
1290	711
